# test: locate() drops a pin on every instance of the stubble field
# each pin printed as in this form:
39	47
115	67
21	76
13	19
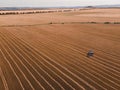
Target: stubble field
36	54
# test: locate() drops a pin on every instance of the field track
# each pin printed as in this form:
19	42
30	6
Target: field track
40	58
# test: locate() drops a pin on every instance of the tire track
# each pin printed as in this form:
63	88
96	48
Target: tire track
3	79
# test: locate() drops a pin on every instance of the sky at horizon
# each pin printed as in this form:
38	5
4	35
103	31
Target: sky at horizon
55	3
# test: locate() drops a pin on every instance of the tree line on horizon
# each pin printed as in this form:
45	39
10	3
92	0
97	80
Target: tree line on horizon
32	12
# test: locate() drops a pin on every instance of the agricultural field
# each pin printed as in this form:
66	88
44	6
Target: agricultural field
48	51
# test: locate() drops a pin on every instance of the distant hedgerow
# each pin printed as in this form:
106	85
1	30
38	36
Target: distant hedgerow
116	22
106	22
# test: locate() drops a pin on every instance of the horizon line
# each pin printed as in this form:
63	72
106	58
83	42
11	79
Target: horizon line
58	6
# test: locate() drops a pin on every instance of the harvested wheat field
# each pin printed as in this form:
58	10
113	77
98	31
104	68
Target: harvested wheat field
38	55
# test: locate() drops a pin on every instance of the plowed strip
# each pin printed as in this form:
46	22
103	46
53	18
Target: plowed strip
3	80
